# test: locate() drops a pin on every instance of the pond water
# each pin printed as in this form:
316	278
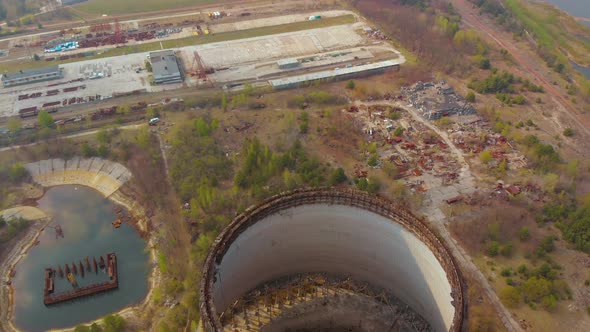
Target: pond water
584	70
85	218
576	8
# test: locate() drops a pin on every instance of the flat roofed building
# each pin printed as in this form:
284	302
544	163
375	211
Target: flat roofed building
165	67
287	63
31	76
335	74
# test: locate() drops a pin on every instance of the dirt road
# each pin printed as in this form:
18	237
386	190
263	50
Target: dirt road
530	65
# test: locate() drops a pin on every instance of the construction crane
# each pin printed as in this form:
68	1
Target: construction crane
201	70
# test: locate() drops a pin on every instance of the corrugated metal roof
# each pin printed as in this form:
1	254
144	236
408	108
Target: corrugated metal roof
164	64
30	73
333	73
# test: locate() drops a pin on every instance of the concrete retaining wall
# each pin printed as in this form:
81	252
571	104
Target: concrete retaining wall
338	231
103	175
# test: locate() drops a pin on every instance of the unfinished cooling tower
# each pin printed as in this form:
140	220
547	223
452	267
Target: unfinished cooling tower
330	260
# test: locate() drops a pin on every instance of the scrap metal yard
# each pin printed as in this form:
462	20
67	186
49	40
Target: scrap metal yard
225	63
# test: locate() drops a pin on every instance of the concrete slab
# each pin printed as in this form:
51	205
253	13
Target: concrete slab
84	164
72	164
96	165
33	168
58	165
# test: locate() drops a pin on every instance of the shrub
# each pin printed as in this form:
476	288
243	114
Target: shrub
549	302
506	272
493	249
338	176
470	97
484	63
568	132
506	250
534	289
398	131
373	160
522	269
524	233
350	85
485	157
546	245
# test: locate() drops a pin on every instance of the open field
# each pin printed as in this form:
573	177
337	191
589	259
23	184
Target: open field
193	40
111	7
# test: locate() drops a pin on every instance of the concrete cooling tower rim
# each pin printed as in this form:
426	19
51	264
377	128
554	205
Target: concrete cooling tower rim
330	196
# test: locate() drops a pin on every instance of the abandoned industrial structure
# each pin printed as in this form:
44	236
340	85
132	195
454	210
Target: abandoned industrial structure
334	74
31	76
165	67
276	266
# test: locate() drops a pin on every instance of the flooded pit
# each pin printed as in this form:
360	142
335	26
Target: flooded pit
85	217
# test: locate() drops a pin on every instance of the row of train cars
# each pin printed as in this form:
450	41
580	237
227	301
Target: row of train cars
101	113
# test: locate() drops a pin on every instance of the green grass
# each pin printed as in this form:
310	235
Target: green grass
548	30
162	263
111	7
193	40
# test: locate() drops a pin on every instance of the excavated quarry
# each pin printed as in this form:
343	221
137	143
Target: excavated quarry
300	235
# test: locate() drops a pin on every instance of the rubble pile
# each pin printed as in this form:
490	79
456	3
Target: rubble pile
413	148
436	100
474	135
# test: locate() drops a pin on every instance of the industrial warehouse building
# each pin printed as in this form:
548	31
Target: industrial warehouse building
288	63
335	74
31	76
165	67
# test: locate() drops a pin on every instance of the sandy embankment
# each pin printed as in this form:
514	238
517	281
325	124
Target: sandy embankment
103	175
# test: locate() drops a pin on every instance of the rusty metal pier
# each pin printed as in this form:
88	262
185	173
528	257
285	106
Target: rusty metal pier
49	297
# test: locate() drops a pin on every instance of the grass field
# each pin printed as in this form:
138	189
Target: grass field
193	40
111	7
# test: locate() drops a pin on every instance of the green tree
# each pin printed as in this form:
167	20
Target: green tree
549	302
304	124
534	289
350	85
103	136
82	328
151	113
113	323
373	160
45	119
103	151
398	131
484	63
87	151
224	102
510	296
17	172
493	249
143	137
14	125
470	97
485	157
36	57
338	176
